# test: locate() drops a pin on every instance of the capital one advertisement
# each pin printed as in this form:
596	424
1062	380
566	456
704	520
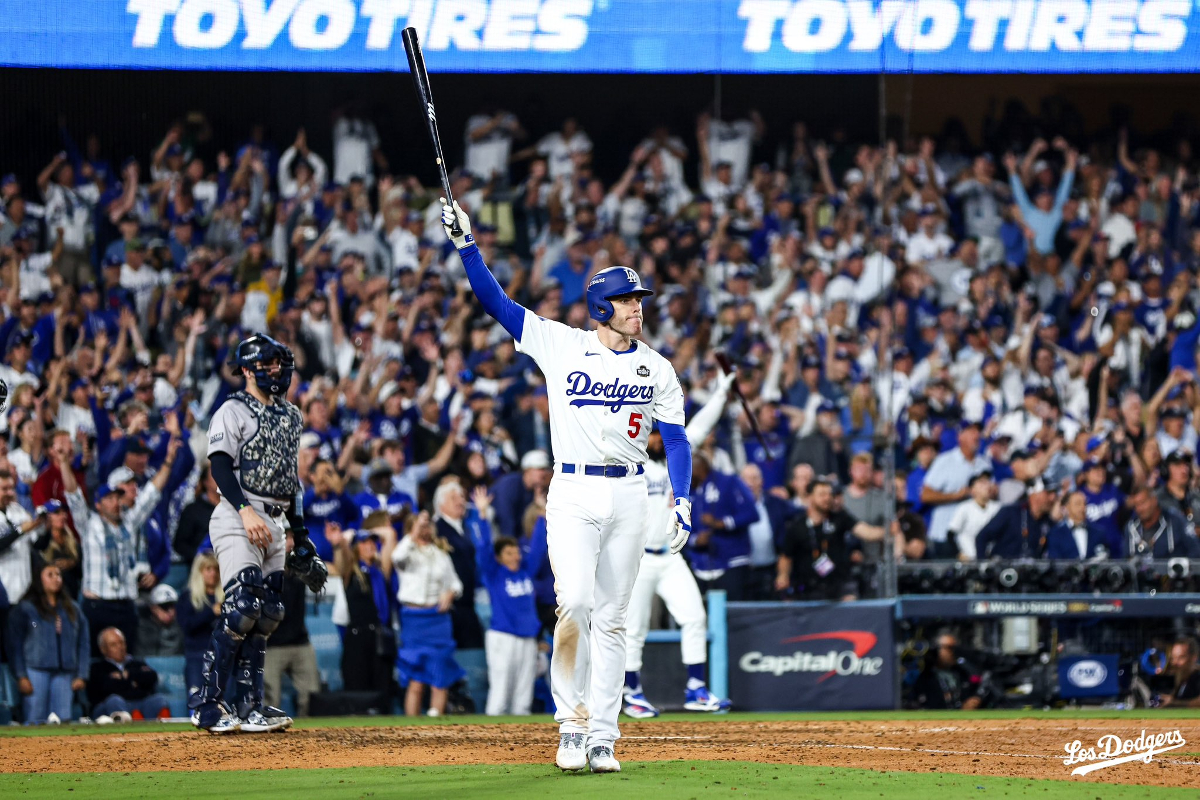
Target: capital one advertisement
832	657
813	36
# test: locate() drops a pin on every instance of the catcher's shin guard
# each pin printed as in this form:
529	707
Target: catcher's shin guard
240	614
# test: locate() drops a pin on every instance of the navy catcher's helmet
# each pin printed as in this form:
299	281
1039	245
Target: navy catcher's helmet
254	352
610	283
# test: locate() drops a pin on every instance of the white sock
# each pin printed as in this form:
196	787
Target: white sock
695	683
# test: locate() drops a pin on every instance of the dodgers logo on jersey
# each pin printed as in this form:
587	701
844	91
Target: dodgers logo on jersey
616	395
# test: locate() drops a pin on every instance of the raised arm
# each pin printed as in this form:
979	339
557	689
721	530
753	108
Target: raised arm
506	311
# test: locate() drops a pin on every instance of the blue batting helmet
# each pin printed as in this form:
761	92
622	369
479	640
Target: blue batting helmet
610	283
254	352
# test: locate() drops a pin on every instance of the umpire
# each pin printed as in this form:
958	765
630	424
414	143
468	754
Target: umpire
253	451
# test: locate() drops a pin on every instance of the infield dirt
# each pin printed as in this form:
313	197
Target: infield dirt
1025	748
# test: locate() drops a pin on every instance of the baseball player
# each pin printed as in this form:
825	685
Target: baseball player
605	388
667	574
253	452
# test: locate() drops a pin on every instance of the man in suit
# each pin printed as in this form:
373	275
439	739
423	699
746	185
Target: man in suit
1075	538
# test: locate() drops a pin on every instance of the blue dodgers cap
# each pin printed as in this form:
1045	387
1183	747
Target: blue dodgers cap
810	362
53	506
8	179
826	407
103	491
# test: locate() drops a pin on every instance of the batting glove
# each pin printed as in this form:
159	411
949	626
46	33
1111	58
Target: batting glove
465	238
683	524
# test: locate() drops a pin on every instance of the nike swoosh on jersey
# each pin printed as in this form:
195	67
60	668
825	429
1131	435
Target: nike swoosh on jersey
590	354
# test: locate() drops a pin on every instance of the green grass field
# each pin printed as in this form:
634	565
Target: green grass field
669	780
662	780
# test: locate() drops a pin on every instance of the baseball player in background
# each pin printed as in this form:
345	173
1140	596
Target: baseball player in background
253	452
605	388
667	574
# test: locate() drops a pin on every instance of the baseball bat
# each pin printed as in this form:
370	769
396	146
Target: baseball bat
420	78
727	365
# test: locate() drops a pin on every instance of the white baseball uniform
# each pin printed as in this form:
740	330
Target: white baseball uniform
662	572
601	405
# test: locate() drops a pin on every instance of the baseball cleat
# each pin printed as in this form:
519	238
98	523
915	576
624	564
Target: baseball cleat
265	720
601	759
638	707
703	700
570	752
122	717
226	723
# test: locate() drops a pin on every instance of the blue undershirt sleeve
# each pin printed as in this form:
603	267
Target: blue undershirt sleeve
679	458
506	311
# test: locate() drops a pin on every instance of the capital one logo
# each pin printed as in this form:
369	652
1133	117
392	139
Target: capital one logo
846	663
499	25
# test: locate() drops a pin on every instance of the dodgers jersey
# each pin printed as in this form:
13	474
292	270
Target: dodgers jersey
601	402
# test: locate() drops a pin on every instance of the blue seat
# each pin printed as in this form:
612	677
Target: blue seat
171	682
474	662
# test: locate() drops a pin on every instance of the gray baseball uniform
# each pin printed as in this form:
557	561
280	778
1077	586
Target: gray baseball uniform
264	443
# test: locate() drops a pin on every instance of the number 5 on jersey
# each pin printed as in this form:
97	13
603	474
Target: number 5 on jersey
635	424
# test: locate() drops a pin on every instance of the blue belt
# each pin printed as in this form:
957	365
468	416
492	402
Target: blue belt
603	470
659	551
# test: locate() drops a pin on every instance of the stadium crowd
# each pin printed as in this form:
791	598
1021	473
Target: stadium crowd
1014	330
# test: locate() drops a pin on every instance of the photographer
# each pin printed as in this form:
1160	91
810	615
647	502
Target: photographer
1176	493
1020	529
947	681
814	561
1158	532
1183	668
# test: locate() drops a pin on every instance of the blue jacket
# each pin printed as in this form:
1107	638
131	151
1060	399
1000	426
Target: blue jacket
779	511
543	574
1014	533
514	609
34	644
197	623
1171	537
1061	542
728	499
510	498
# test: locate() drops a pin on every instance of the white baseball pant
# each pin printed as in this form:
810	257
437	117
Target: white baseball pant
595	532
512	669
667	576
